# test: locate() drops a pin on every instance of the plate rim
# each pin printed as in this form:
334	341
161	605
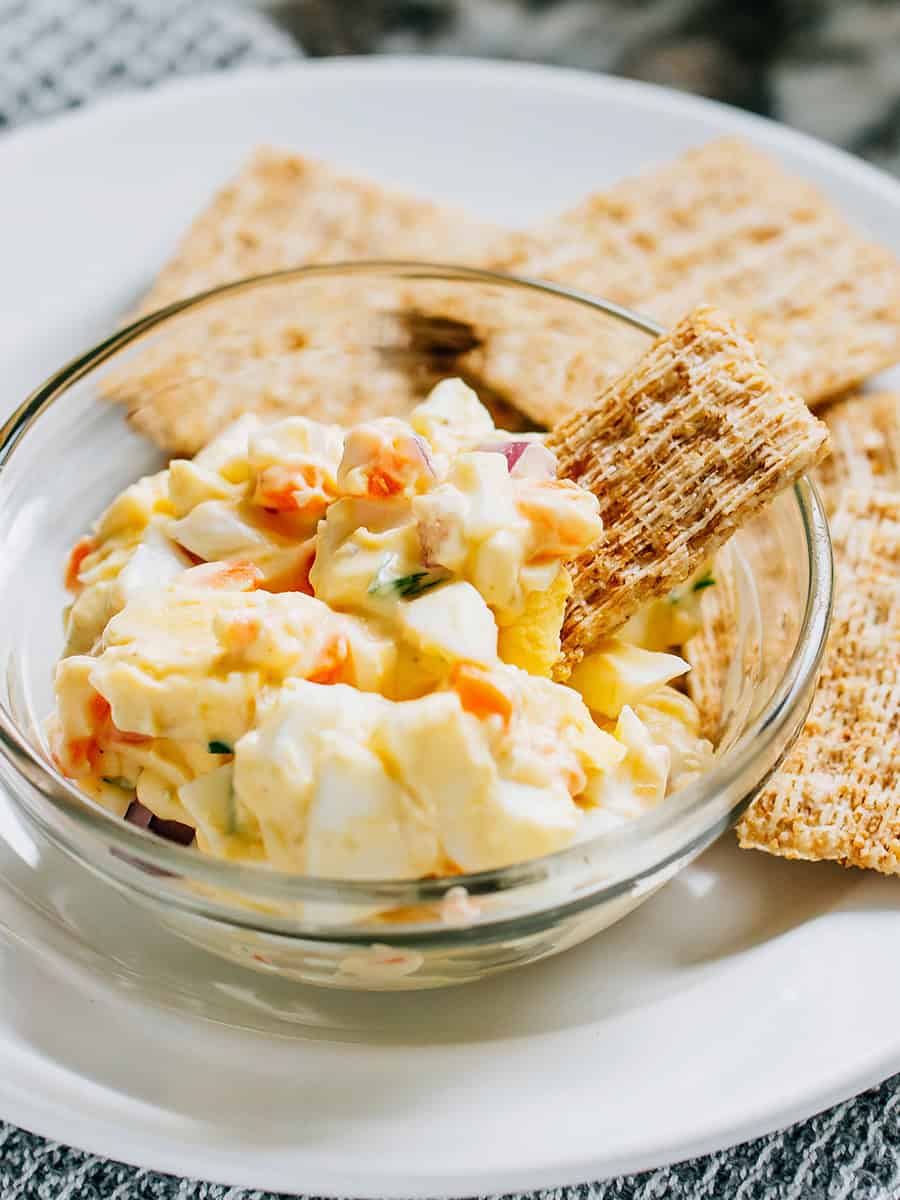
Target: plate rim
426	68
39	1116
392	1185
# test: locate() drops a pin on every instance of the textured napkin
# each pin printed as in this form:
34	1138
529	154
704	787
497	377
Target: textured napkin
55	54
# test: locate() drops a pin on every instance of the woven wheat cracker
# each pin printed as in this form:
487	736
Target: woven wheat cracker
865	454
837	795
526	350
285	352
730	650
681	451
724	224
865	446
184	399
282	210
711	650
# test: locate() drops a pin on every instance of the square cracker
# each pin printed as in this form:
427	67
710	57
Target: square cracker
681	451
865	446
837	795
865	454
721	223
282	210
296	351
713	648
726	225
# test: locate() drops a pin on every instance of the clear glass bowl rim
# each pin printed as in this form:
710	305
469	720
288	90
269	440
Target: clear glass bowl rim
745	761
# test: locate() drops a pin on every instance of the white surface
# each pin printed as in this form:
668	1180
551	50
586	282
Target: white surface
730	1004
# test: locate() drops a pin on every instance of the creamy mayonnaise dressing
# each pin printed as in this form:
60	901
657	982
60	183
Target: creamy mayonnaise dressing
332	651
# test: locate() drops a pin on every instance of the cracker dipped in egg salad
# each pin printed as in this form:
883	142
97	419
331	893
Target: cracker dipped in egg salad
333	651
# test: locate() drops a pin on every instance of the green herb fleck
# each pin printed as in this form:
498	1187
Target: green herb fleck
219	748
119	782
704	581
417	583
403	585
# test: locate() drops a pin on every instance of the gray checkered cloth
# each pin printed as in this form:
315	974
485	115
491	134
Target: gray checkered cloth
56	54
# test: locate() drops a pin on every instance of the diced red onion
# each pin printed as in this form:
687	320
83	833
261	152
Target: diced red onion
511	451
526	460
138	814
424	452
172	831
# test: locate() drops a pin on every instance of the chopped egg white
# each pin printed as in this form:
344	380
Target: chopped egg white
617	673
452	622
452	417
638	782
332	651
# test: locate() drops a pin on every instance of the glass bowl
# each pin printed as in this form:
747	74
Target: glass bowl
390	329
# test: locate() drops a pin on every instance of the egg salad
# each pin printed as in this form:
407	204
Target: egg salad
333	651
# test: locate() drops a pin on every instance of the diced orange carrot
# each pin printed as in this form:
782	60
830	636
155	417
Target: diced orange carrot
242	632
302	490
275	489
80	755
98	707
239	576
479	694
379	462
334	662
78	751
80	551
84	755
104	728
383	483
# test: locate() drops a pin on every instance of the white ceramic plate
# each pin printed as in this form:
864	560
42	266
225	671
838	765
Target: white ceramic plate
747	994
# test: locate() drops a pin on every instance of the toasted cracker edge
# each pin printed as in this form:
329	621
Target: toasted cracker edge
682	450
725	223
837	795
865	446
